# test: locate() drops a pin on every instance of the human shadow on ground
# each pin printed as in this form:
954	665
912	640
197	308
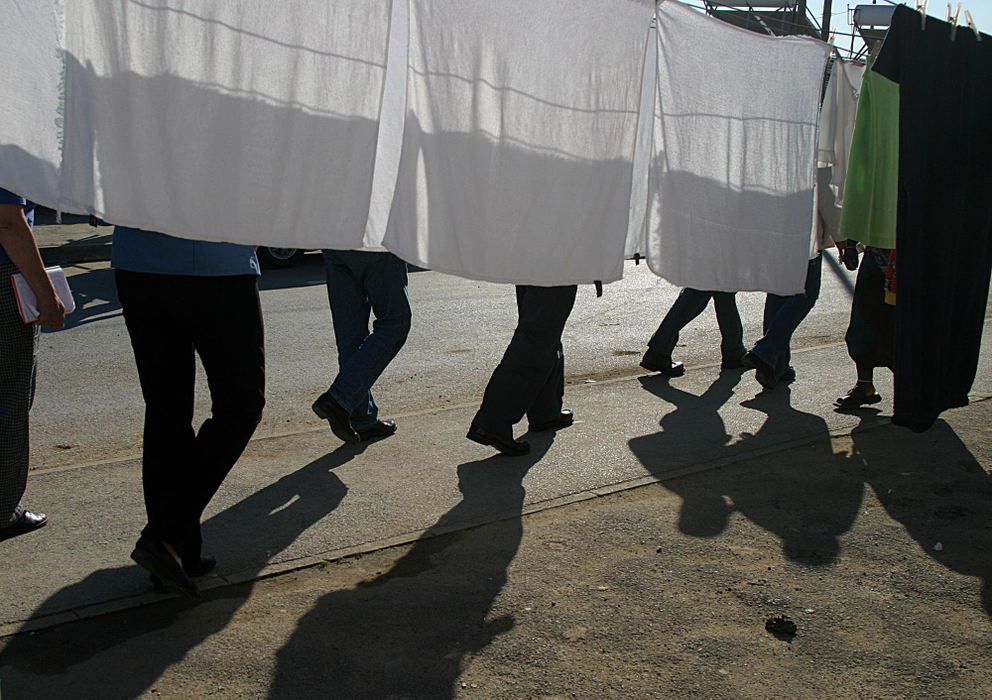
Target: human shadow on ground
122	655
932	484
95	294
808	525
405	632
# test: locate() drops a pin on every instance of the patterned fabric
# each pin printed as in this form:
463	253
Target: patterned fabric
18	362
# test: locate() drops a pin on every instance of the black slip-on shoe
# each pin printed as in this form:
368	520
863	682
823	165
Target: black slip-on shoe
153	556
506	445
327	408
562	420
25	522
656	362
379	429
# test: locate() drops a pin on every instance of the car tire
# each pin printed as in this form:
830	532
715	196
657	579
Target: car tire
279	257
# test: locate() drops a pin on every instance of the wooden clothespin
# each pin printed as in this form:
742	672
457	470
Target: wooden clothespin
921	7
971	23
954	22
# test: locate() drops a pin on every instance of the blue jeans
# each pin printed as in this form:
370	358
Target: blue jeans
689	304
361	283
783	316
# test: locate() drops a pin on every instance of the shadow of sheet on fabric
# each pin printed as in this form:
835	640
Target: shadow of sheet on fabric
932	484
808	525
405	632
122	655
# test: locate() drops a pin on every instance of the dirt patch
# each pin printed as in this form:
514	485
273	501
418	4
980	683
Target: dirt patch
661	591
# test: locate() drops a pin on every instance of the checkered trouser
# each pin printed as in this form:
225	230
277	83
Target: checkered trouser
18	362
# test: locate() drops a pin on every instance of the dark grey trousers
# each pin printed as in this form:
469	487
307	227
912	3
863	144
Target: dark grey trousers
531	376
18	363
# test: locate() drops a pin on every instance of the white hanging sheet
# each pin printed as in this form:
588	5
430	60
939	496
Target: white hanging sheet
235	121
840	107
519	138
732	178
31	98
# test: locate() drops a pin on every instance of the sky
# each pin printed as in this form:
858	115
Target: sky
981	12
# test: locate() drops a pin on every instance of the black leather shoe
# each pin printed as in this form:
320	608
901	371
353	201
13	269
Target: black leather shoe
327	408
194	569
763	372
26	521
379	429
656	362
159	561
506	445
562	420
734	362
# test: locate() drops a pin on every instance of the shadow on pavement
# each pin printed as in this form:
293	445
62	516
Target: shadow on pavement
95	294
932	484
405	632
122	655
809	526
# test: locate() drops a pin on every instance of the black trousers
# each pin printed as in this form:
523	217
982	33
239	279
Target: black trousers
531	376
169	318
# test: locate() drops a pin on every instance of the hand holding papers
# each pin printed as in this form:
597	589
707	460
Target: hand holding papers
27	302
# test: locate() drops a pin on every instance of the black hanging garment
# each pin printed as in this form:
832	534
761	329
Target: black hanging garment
944	214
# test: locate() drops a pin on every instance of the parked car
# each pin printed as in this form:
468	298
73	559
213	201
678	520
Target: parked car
279	257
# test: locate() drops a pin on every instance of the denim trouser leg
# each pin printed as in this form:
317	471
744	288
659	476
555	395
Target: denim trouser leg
783	316
729	321
359	284
688	305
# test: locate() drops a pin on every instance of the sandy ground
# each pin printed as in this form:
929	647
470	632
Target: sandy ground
877	546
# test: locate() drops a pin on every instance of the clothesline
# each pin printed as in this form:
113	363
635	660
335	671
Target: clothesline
445	135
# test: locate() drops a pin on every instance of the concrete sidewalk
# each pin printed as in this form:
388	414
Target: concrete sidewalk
298	499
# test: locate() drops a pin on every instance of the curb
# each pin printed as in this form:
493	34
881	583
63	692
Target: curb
75	254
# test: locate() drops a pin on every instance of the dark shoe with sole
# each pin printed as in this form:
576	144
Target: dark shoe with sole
763	372
379	429
562	420
857	397
788	376
327	408
154	556
735	362
656	362
194	569
24	522
506	445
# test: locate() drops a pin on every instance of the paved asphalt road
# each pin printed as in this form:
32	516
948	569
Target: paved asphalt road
88	404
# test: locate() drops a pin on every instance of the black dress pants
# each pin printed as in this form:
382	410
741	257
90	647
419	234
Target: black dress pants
531	376
169	318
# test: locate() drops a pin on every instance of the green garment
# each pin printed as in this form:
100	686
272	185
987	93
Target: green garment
871	191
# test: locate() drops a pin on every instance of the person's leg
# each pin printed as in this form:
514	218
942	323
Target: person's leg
546	407
688	305
381	280
782	317
18	362
529	366
350	312
867	337
728	318
156	309
229	339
